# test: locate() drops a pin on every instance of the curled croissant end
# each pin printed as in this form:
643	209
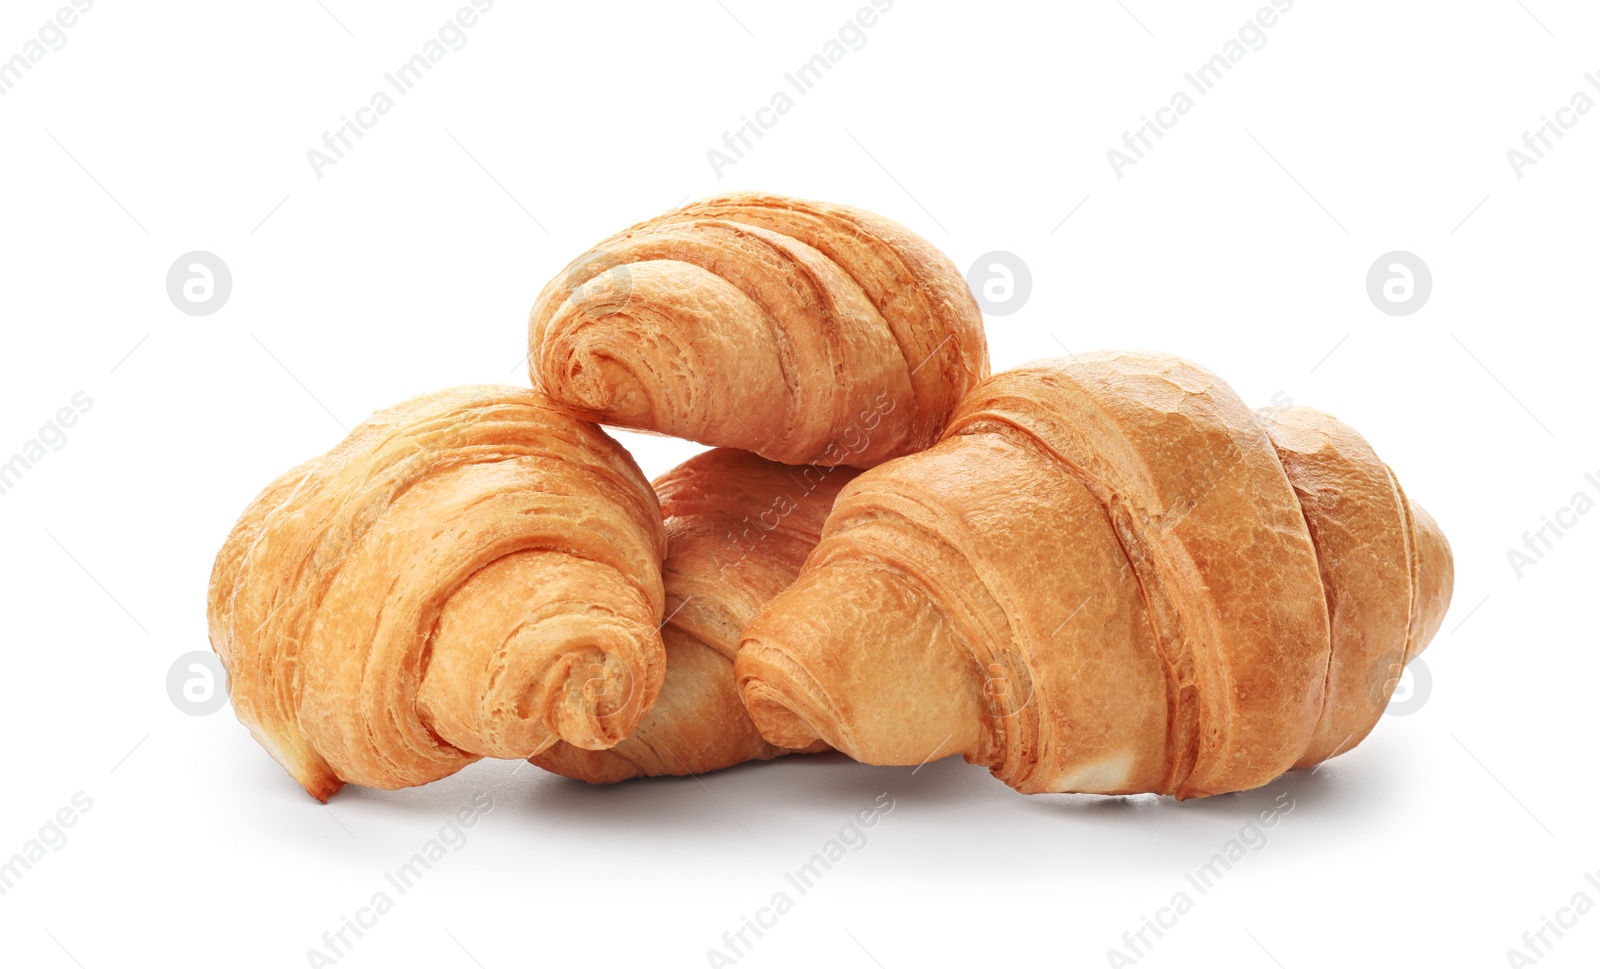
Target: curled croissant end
471	573
1109	576
805	332
738	529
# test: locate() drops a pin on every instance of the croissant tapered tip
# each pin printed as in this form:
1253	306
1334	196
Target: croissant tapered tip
848	672
772	710
604	381
601	706
1437	573
323	791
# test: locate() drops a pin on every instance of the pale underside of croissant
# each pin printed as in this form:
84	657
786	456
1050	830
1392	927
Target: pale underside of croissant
738	529
470	573
806	332
1109	576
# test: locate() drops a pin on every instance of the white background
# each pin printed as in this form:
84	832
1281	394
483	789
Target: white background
1242	241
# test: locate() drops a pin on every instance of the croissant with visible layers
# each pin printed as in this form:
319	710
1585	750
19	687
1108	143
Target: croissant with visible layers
1109	576
806	332
471	573
738	529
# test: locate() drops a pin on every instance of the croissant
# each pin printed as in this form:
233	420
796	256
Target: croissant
1109	576
738	529
471	573
806	332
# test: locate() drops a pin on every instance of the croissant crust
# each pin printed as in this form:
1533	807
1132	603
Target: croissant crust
806	332
738	529
1109	576
471	573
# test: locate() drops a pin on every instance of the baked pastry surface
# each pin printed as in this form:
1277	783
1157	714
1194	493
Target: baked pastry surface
1109	576
470	573
806	332
738	529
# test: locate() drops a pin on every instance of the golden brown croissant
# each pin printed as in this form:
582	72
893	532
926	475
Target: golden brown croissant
1109	576
738	529
470	573
806	332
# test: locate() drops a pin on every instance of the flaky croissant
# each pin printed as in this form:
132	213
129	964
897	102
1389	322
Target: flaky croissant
1109	576
738	529
470	573
806	332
